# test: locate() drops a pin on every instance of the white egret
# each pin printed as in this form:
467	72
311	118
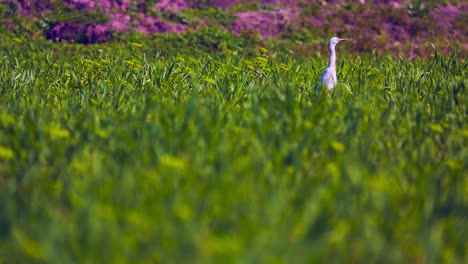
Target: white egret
329	75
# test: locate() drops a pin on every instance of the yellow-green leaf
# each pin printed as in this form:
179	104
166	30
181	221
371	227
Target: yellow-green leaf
184	212
7	119
28	245
56	132
172	162
222	245
136	45
337	146
436	128
6	153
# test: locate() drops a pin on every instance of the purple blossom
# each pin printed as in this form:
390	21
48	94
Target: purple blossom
119	22
104	5
267	24
82	4
444	16
225	4
172	5
28	6
73	32
153	25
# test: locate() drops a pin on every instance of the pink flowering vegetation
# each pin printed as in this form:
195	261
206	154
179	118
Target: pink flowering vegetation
79	33
378	25
384	27
266	24
95	21
172	5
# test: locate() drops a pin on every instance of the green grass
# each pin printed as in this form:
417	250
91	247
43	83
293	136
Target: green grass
121	154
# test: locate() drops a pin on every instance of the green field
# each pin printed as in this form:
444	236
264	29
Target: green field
133	153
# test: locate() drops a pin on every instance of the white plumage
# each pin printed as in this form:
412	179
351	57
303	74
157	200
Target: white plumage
329	75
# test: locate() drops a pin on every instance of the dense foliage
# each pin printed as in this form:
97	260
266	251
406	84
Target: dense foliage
406	28
131	153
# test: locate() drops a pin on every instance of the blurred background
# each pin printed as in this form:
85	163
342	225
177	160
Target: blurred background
404	28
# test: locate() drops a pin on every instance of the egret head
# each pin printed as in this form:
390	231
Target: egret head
333	41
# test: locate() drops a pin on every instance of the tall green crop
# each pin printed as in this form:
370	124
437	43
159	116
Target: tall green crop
117	154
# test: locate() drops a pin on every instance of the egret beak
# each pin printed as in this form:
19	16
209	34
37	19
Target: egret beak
342	39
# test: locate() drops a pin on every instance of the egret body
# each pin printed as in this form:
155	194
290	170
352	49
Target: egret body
329	75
